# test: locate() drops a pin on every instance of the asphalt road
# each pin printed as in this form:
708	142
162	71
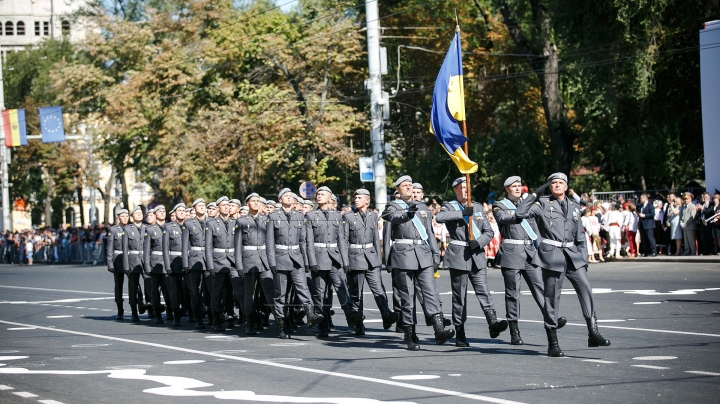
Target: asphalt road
58	344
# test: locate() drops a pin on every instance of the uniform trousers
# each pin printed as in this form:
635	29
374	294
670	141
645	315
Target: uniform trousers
207	288
254	282
533	278
119	276
148	289
217	290
234	291
356	281
281	281
320	296
175	284
397	305
406	281
133	285
553	281
459	282
157	282
193	281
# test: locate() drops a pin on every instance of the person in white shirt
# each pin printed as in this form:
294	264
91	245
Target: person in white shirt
632	228
613	222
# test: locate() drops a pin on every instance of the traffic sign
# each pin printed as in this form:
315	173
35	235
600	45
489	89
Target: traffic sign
366	169
307	189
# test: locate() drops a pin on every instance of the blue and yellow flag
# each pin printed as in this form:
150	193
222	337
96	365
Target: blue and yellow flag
448	107
13	127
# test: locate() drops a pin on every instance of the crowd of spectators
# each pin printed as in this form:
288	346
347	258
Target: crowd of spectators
80	245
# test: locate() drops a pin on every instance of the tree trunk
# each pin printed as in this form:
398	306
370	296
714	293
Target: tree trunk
48	199
107	197
79	190
123	187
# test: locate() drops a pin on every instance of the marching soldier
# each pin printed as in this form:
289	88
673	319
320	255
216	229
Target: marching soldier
307	206
250	254
327	258
466	260
212	210
220	257
515	256
285	242
234	293
160	215
235	205
193	257
134	233
562	253
154	261
116	257
172	253
413	255
363	240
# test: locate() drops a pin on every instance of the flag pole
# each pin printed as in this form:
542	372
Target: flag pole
465	146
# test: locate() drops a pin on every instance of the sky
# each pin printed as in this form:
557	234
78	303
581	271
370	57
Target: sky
286	5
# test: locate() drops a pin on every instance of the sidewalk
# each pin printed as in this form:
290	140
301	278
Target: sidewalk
698	259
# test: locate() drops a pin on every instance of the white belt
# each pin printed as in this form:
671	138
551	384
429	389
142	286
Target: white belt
175	253
224	250
156	253
325	245
557	243
408	241
254	247
197	248
134	252
117	251
458	242
287	247
519	242
359	246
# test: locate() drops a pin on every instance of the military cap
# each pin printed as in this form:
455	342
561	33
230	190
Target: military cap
308	202
270	202
458	181
404	178
121	211
253	195
417	185
221	200
557	176
263	201
188	210
299	199
283	192
198	200
333	197
152	211
135	209
511	180
236	202
244	208
362	191
278	205
324	189
178	206
212	205
159	207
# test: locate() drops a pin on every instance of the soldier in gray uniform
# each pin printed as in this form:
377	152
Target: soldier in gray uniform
154	261
562	253
193	258
412	252
466	259
235	289
327	258
160	215
172	253
219	258
250	254
515	256
134	232
363	241
285	242
116	257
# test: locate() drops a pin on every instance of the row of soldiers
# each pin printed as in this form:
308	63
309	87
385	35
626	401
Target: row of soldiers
287	260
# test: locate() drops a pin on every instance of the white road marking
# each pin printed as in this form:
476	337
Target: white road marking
610	321
283	360
415	377
12	358
655	358
699	334
599	361
289	344
9	350
89	345
184	362
56	290
372	321
56	301
25	394
700	372
21	328
651	367
454	374
647	303
4	387
62	316
49	402
476	397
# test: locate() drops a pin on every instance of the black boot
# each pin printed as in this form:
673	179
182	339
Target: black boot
411	344
134	317
328	317
313	318
561	322
159	319
460	339
446	322
496	327
281	328
594	337
389	318
250	325
428	321
352	317
199	324
553	347
359	329
441	334
178	316
150	311
142	308
323	329
515	334
120	313
218	322
168	312
230	323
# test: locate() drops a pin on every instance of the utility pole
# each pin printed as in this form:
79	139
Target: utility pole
4	152
376	102
91	171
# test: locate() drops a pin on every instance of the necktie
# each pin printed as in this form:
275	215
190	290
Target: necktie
564	207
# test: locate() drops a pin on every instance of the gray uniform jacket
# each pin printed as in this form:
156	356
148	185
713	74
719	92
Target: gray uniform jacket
281	232
557	228
172	247
513	256
400	254
135	244
458	256
251	233
320	233
363	240
115	246
153	244
220	244
193	244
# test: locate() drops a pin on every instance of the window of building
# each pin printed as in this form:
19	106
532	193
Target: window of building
9	28
37	28
46	28
20	28
66	27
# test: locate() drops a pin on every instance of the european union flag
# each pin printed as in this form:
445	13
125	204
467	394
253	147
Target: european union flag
448	107
51	124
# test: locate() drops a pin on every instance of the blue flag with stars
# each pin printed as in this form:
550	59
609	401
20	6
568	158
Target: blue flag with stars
51	124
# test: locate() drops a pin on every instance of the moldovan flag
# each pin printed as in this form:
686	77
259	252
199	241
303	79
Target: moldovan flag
448	107
13	127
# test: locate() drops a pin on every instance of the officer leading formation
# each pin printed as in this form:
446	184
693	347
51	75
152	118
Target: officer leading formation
289	260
